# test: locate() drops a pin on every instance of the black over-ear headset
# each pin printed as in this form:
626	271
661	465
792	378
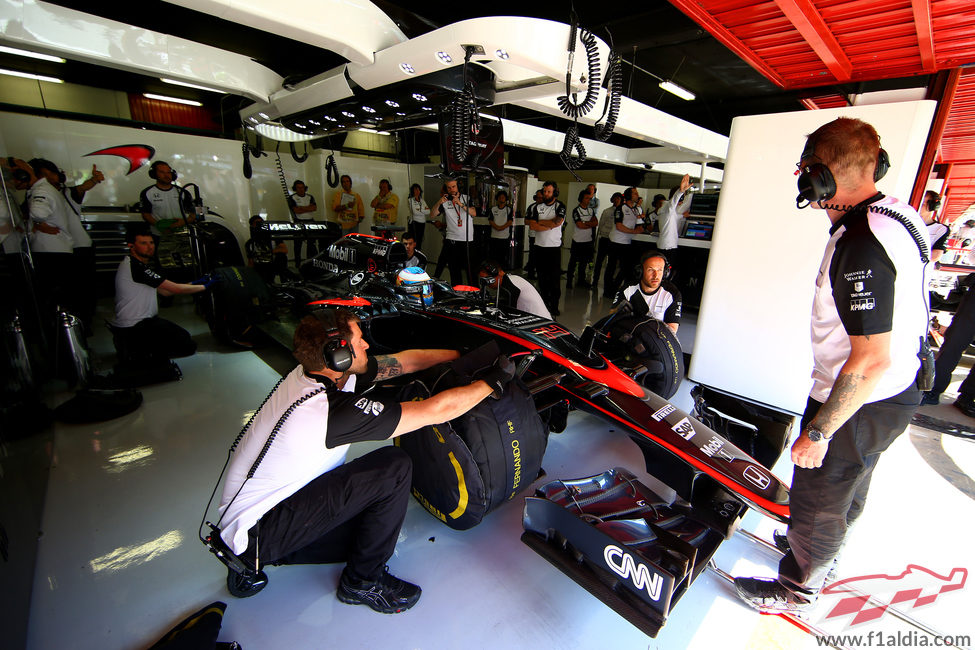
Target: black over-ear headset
336	352
555	188
152	170
816	182
933	203
294	186
492	269
668	269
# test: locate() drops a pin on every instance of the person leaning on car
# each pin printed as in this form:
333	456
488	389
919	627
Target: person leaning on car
306	504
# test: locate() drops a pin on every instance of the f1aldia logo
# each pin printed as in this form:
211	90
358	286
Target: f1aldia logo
868	597
623	564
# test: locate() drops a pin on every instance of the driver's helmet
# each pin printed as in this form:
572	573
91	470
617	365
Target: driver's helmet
416	283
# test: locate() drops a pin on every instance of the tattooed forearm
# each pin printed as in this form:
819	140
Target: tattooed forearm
388	366
847	396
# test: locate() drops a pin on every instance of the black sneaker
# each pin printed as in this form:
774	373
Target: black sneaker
388	595
771	596
965	404
930	399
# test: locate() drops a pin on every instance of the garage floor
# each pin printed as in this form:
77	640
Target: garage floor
118	562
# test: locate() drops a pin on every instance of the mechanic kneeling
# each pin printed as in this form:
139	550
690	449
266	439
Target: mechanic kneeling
305	504
653	294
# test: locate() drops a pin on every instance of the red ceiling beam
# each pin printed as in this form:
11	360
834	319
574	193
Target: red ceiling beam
702	17
807	19
925	33
943	89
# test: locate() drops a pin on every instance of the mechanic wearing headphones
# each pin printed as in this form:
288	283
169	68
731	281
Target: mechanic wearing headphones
303	207
621	251
48	231
937	232
869	316
653	295
546	218
165	205
82	299
513	291
457	211
305	504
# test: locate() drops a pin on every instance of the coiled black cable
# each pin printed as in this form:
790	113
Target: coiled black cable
331	171
611	109
247	169
464	121
896	216
277	427
569	106
572	141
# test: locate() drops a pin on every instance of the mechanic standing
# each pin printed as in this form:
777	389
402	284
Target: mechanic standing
455	211
306	504
868	320
546	219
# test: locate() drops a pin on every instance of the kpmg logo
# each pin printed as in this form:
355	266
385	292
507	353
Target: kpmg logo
639	574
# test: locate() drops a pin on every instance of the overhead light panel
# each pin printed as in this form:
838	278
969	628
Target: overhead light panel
681	92
27	75
185	84
280	133
175	100
34	55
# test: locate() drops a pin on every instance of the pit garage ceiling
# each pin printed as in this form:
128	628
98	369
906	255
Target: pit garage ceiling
806	44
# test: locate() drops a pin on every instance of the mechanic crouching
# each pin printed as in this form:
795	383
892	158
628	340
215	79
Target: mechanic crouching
304	504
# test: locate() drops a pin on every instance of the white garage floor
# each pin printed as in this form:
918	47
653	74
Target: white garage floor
118	562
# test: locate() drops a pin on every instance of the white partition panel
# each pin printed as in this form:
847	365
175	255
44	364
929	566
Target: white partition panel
753	328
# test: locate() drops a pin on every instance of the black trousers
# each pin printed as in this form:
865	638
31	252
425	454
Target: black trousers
418	229
548	265
619	268
83	298
54	273
531	266
602	251
579	254
455	255
311	249
825	501
152	339
957	339
351	514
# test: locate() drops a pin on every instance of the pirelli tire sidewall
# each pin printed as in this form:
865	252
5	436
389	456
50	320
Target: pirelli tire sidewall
465	468
646	340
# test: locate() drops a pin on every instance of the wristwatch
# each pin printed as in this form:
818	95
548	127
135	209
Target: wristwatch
816	435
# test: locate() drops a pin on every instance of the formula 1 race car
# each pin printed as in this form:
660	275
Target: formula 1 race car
600	373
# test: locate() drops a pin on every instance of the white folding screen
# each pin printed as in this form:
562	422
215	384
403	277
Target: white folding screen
752	335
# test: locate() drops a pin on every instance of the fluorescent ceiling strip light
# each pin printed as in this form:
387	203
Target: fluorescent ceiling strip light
176	82
175	100
33	55
673	88
26	75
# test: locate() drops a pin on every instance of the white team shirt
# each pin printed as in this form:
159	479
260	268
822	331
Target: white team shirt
500	216
629	219
46	205
458	220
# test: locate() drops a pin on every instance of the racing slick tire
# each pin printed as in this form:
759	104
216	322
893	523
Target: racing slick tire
465	468
635	341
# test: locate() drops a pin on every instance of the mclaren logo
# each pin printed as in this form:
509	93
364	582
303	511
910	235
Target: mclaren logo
626	567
